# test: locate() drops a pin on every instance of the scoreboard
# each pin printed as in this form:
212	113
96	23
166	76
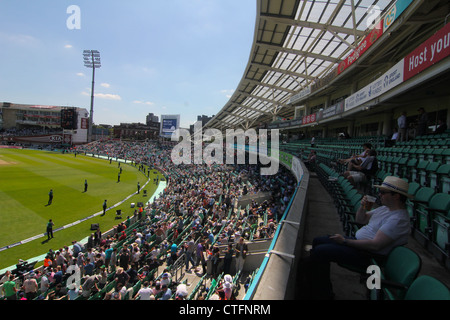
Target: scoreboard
69	119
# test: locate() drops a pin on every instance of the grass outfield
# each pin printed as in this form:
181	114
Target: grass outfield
26	177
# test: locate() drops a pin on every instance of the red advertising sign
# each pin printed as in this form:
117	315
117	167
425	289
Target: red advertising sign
428	53
370	39
309	119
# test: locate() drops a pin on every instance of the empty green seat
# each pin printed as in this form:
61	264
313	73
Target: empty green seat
440	179
427	288
413	188
400	270
439	212
422	220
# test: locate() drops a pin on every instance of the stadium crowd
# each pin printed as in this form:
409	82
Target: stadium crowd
196	218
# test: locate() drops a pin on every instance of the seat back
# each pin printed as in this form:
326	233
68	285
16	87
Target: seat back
402	266
421	201
440	201
439	208
413	188
443	178
427	288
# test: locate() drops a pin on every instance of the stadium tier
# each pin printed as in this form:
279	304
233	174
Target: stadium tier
355	114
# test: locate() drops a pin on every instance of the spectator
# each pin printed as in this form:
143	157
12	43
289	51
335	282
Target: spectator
90	286
73	291
166	292
5	277
89	267
357	159
9	288
45	283
145	292
30	287
121	276
76	248
360	173
190	248
402	127
422	125
227	259
386	227
241	254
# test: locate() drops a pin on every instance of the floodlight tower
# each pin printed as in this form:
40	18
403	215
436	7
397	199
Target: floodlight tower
91	60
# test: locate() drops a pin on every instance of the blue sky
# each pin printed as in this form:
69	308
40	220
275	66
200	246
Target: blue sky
162	56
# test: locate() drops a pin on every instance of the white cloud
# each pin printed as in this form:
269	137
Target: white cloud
143	102
106	96
68	46
105	85
81	74
19	39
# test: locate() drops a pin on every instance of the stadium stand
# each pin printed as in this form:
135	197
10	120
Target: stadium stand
205	200
317	101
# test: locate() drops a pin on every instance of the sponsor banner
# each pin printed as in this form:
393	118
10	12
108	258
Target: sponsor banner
302	94
52	138
285	124
368	41
392	78
428	53
394	12
333	110
169	126
309	119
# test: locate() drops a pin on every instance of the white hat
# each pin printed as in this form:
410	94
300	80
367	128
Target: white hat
228	278
395	184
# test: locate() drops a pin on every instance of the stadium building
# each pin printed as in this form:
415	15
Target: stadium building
37	124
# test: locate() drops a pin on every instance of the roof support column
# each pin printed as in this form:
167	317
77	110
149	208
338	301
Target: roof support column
387	128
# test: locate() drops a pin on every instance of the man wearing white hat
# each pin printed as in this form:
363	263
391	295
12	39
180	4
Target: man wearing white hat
385	228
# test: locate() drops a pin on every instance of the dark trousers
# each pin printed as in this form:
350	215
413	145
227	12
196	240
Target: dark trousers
315	270
50	233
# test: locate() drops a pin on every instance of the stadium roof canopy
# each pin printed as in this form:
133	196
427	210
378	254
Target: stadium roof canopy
296	42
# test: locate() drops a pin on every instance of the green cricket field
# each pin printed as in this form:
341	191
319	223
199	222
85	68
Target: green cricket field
26	177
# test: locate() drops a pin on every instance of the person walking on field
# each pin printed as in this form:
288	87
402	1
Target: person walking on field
104	207
50	197
85	185
50	225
